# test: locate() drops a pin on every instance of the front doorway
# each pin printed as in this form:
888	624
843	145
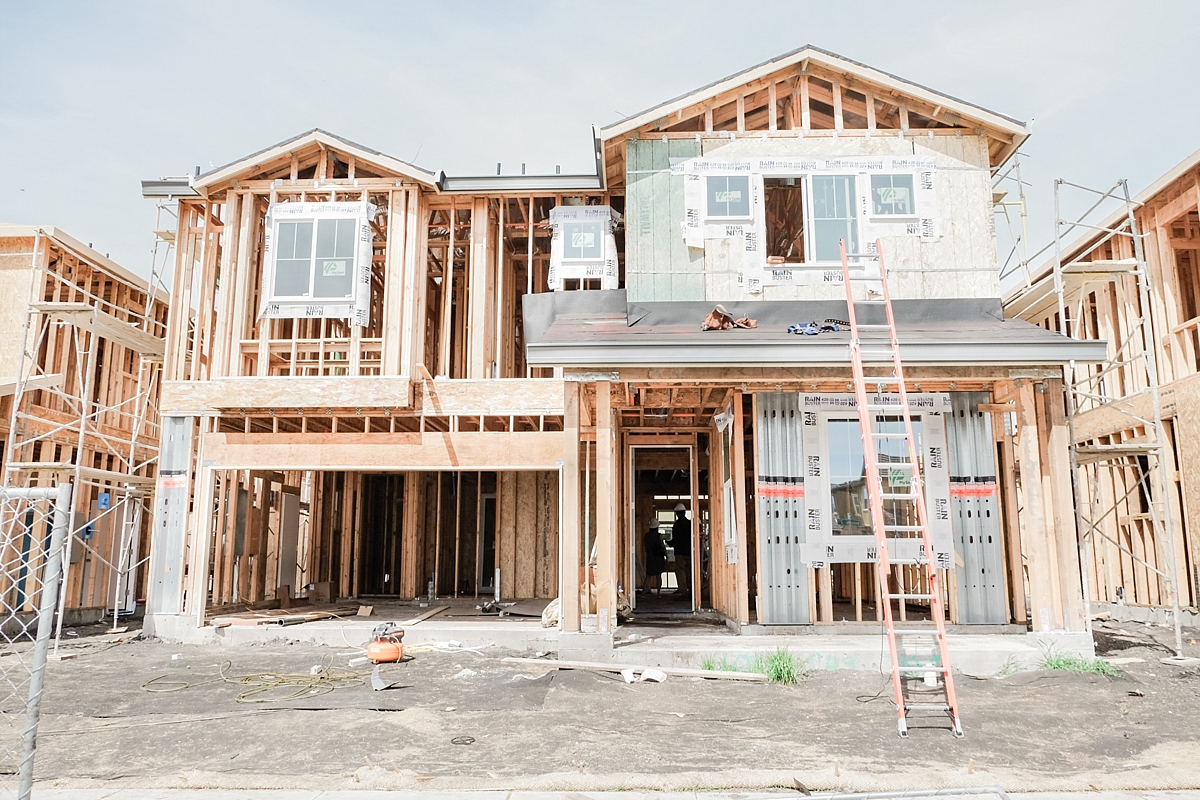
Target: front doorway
665	553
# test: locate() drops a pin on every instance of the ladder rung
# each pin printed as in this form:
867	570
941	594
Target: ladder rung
921	668
926	707
903	528
916	631
890	434
898	496
873	327
910	597
896	464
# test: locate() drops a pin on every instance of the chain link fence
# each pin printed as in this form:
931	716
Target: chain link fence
33	527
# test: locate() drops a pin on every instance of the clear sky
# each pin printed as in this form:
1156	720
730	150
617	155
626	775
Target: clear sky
95	96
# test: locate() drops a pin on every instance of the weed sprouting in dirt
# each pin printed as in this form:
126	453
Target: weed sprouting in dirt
1068	662
1010	667
781	666
713	663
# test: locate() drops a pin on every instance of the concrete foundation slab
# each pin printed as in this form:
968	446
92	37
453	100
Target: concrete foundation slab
820	649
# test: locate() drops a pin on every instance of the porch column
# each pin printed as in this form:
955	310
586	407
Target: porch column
606	518
739	500
168	543
1062	501
568	547
1037	530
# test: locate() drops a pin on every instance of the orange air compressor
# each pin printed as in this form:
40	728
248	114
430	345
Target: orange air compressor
386	643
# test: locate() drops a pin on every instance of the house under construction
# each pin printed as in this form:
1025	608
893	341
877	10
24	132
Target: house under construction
385	381
80	359
1129	274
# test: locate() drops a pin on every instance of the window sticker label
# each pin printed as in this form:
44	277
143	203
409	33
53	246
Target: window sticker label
333	269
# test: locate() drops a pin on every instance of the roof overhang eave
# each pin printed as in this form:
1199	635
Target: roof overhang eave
781	354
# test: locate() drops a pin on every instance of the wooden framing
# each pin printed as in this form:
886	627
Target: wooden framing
397	434
80	376
1124	561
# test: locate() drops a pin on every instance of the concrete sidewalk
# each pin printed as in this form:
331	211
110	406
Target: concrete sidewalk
366	794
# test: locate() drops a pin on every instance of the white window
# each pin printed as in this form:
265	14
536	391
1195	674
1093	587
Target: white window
728	197
893	196
584	240
318	261
834	216
320	266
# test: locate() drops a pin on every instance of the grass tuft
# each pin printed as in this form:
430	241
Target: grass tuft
1010	667
711	663
781	666
1073	663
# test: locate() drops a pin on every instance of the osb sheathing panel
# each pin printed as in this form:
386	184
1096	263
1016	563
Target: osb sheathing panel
964	193
199	397
1187	432
16	264
528	543
504	397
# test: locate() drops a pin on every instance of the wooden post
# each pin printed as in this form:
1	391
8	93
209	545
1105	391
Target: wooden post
1033	520
1062	500
825	586
201	535
606	538
805	113
410	540
838	124
569	503
739	506
415	279
758	523
479	289
1044	450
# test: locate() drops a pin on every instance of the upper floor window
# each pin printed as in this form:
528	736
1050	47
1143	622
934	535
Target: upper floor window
317	261
728	197
834	216
893	196
320	266
583	240
583	250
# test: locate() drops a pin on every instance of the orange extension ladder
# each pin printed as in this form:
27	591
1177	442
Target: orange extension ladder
881	355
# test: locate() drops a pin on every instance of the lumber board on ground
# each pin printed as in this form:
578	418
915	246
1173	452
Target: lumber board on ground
424	615
678	672
280	616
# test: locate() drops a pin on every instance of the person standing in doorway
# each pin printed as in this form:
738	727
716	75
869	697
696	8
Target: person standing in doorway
681	540
656	558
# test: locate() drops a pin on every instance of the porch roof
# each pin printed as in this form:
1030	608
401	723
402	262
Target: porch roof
602	329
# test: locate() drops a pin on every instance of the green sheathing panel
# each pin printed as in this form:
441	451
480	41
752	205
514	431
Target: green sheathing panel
658	265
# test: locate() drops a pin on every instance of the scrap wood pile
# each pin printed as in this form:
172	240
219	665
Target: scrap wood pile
281	616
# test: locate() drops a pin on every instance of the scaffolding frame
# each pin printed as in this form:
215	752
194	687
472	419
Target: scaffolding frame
1089	388
77	330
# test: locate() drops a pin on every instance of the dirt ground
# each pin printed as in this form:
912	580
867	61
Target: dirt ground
463	720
